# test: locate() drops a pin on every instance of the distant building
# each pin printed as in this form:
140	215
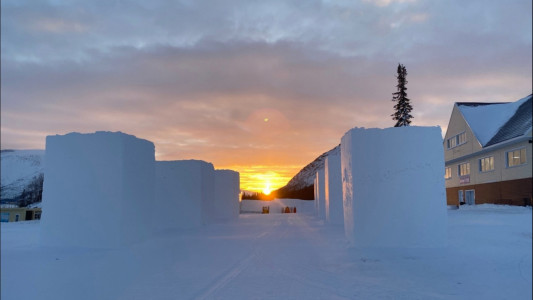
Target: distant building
16	214
487	151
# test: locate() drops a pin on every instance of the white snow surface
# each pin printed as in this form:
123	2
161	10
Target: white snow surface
18	168
98	190
227	189
278	256
179	194
333	189
486	120
393	189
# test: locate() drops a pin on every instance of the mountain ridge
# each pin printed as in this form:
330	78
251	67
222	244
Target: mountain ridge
19	168
301	185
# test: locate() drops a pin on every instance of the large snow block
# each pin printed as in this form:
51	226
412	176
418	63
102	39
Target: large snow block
98	190
393	187
178	194
184	193
321	194
315	193
227	189
333	189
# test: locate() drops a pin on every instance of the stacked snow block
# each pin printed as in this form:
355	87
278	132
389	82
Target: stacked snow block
333	190
180	194
315	193
98	190
320	197
393	187
226	198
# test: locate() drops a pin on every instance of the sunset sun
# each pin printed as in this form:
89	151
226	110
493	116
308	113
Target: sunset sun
267	189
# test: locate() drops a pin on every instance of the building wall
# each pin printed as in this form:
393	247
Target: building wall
503	185
456	126
500	173
511	192
10	214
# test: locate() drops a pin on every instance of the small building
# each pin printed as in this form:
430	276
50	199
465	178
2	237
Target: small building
487	150
16	214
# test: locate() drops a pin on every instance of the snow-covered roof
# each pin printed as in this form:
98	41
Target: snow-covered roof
493	123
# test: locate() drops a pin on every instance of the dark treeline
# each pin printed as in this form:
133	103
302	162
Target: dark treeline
33	192
257	196
306	193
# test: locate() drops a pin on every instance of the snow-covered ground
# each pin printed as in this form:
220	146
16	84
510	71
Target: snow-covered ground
279	256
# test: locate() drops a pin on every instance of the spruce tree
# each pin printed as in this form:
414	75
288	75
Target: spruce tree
402	109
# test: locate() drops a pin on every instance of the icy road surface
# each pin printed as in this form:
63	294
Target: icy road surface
279	256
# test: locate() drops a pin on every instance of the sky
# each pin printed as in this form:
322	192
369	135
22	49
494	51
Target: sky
261	87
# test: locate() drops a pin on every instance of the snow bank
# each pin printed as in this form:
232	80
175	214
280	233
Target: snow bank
98	189
333	189
393	188
227	189
321	194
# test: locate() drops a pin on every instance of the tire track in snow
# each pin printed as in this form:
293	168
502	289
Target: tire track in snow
237	268
228	277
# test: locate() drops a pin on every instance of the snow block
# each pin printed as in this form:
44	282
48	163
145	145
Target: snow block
315	193
184	193
321	194
393	187
178	194
227	189
333	190
98	190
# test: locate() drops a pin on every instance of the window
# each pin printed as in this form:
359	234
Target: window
4	217
486	164
461	138
457	140
516	157
448	173
452	142
464	169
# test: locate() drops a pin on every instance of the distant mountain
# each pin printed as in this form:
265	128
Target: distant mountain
301	185
18	169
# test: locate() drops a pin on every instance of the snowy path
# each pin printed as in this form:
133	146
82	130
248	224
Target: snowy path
279	256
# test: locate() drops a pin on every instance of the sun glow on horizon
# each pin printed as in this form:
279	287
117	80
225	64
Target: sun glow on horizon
267	189
260	178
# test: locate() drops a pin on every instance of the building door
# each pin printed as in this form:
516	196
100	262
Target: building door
17	216
470	197
461	198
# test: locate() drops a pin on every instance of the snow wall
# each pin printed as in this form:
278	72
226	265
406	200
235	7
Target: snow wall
315	193
333	190
321	192
179	195
393	187
227	189
98	190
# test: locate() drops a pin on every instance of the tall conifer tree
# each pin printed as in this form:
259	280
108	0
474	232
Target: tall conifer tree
402	114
